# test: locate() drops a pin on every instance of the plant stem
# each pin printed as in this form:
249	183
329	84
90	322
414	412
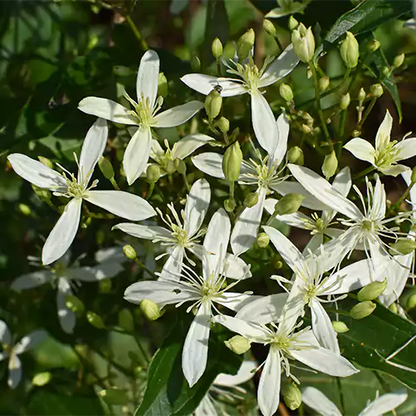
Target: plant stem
341	396
136	32
115	184
402	198
364	172
366	113
137	261
150	191
185	179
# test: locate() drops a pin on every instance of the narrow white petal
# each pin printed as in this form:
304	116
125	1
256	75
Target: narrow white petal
394	170
407	178
63	234
148	232
137	153
5	335
29	341
268	393
92	149
148	77
173	266
297	219
235	301
406	148
31	280
206	405
97	273
107	109
123	204
282	124
15	371
294	307
385	403
317	401
236	268
36	172
195	349
384	132
314	244
177	115
245	373
189	144
361	149
67	318
378	210
250	330
209	163
197	205
204	84
342	181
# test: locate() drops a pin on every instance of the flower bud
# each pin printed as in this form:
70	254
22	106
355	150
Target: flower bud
223	124
180	166
45	161
195	63
373	45
340	327
372	291
129	252
114	396
293	23
268	26
229	205
345	101
306	129
376	90
106	168
95	320
213	104
330	165
324	83
350	51
125	320
238	344
413	175
105	286
263	240
170	167
295	156
41	379
303	43
362	310
361	95
289	204
245	44
216	48
231	162
25	209
251	199
411	301
398	60
393	307
162	86
150	310
292	396
403	246
74	304
286	92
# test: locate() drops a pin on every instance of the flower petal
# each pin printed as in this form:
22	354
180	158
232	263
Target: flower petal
5	335
137	153
282	124
252	331
361	149
148	77
173	266
29	341
406	149
384	132
107	109
245	373
177	115
317	401
148	232
297	219
385	403
196	207
195	348
394	170
15	371
31	280
67	318
189	144
235	301
36	172
209	163
123	204
236	268
63	234
204	84
342	181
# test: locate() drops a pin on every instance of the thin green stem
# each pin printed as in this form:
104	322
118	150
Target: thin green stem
364	172
143	352
185	179
150	191
138	262
115	184
341	396
402	198
366	114
136	32
219	72
341	131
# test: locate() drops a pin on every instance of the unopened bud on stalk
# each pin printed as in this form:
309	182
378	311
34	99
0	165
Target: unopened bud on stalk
268	26
393	308
229	205
251	199
289	204
195	63
306	129
398	60
373	45
345	101
286	92
403	246
411	301
245	44
170	167
162	87
303	43
125	320
114	397
376	90
295	156
292	396
238	344
263	240
153	173
330	165
213	104
129	252
74	304
231	162
95	320
372	291
150	310
361	95
45	161
293	23
340	327
217	48
362	310
24	209
350	51
278	264
324	83
223	124
106	168
41	379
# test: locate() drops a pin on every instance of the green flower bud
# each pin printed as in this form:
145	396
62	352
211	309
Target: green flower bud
268	26
125	320
292	396
361	95
251	199
129	252
376	90
289	204
403	246
372	291
95	320
340	327
293	23
223	124
330	165
345	101
263	240
295	156
245	44
43	194
74	304
25	209
114	397
304	43
350	51
286	92
213	104
195	63
229	205
231	162
105	286
106	168
153	173
373	45
41	379
393	308
45	161
398	60
180	166
170	167
411	301
150	310
238	344
278	264
216	48
324	83
362	310
162	86
306	129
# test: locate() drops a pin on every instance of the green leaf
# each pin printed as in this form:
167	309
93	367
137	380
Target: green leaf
167	391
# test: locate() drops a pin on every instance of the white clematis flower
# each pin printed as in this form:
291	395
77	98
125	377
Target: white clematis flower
12	351
77	189
203	291
386	403
287	8
250	80
143	114
65	278
285	344
387	153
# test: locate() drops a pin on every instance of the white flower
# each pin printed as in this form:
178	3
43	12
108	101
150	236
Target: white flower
203	291
250	80
285	345
77	189
12	351
287	8
386	403
143	114
387	153
65	278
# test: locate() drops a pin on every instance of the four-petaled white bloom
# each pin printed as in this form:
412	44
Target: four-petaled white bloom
387	153
13	350
142	114
77	189
386	403
203	291
64	278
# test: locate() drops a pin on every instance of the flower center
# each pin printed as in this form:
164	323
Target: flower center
281	342
368	225
143	109
180	235
387	156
